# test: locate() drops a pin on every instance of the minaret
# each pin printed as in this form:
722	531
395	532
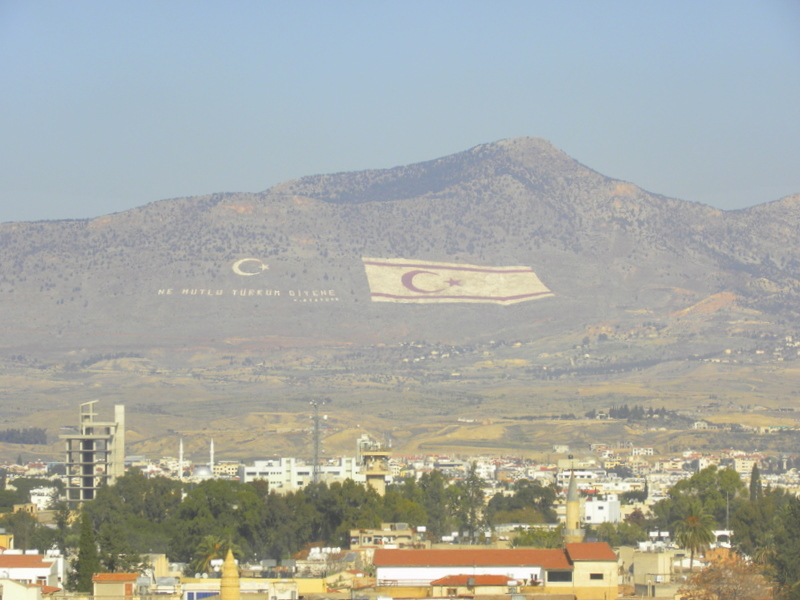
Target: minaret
229	585
180	459
572	527
211	457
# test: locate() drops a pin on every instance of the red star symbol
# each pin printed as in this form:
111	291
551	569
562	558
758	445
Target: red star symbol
453	282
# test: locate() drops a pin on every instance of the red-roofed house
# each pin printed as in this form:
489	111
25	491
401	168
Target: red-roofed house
118	585
29	568
587	570
594	566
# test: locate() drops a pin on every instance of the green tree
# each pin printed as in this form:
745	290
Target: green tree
467	500
531	503
342	507
396	507
785	561
286	523
227	509
23	526
115	553
755	521
24	485
142	507
435	501
63	517
717	490
8	498
634	496
637	518
620	534
539	538
756	492
694	531
87	563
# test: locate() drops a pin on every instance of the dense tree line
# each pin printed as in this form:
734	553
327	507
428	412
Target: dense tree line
195	523
635	413
30	435
764	522
18	491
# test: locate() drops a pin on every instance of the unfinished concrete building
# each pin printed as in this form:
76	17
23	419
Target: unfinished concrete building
95	454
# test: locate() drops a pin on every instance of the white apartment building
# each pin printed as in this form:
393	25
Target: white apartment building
642	452
585	478
290	474
43	497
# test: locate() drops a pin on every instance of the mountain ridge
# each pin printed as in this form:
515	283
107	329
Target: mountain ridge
196	312
518	201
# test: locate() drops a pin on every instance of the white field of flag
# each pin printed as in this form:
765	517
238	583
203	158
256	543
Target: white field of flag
416	281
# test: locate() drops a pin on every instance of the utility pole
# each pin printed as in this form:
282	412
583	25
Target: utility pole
727	510
315	404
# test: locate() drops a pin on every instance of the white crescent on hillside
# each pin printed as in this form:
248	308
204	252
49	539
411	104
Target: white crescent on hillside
248	271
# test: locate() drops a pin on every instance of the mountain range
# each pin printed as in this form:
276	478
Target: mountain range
201	268
237	276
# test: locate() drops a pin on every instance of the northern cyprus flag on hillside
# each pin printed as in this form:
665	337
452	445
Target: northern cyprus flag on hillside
403	280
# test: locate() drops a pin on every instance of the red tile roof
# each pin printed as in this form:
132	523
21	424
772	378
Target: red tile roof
476	580
114	577
547	559
23	561
591	551
49	589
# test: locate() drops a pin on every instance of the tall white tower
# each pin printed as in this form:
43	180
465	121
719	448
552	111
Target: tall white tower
180	459
211	456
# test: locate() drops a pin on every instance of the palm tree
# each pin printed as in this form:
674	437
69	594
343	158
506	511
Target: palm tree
764	554
694	532
212	547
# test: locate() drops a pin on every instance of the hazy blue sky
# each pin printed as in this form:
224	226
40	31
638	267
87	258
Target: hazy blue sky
105	106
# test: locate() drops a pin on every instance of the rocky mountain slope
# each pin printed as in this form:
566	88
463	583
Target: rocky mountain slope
284	267
408	298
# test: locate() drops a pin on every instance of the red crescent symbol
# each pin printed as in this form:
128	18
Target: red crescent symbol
408	282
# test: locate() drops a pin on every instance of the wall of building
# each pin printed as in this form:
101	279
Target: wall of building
655	567
14	590
587	587
424	575
602	511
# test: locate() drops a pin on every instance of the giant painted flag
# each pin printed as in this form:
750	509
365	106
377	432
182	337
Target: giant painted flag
403	280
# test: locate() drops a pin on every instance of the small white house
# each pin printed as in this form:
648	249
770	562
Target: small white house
602	511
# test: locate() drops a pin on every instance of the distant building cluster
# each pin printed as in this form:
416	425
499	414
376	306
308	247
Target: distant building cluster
590	484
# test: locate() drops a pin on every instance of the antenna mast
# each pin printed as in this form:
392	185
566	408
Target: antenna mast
315	404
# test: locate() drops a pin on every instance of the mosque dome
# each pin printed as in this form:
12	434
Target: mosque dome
202	472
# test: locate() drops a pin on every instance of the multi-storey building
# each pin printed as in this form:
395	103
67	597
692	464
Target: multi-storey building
95	454
290	474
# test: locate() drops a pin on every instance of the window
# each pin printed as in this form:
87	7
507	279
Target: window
559	576
595	576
